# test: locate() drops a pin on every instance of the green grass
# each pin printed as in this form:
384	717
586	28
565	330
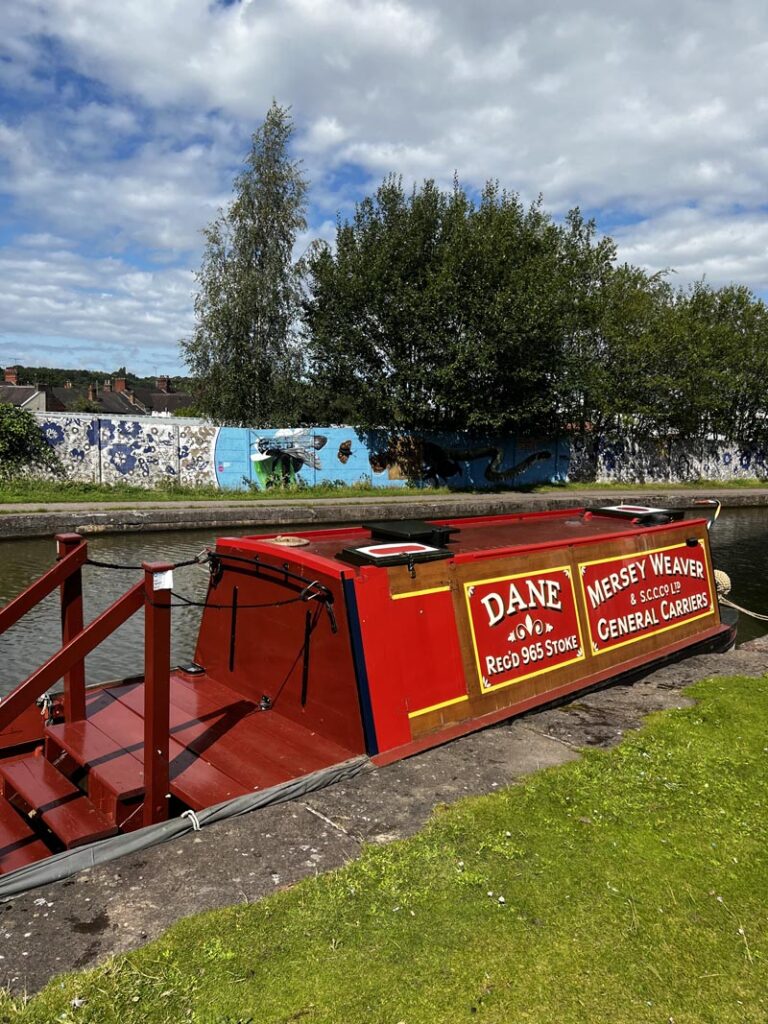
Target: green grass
33	491
29	491
633	885
703	484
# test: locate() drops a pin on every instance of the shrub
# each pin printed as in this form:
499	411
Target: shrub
22	444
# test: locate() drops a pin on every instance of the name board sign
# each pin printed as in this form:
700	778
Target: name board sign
635	596
523	625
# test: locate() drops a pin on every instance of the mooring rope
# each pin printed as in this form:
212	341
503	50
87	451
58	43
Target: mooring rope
744	611
188	602
723	587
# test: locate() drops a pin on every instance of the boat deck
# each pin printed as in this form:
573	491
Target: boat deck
88	783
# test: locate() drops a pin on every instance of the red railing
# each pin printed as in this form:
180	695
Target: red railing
157	691
78	641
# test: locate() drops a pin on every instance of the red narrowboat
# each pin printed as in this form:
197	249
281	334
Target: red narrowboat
377	641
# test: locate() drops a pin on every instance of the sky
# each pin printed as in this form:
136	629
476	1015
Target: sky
122	126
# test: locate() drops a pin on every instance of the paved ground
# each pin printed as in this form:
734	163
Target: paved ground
43	519
120	906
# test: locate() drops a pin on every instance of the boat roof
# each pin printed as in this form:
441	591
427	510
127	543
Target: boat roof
469	538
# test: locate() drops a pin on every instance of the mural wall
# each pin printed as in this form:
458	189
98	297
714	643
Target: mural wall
146	452
669	461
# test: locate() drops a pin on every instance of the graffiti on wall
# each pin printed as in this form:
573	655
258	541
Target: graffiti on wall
266	458
76	441
622	460
136	451
145	452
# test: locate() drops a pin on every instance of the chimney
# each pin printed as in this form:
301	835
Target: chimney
11	375
92	394
68	385
120	384
107	385
163	384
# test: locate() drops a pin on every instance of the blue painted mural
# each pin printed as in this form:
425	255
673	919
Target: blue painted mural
147	451
265	458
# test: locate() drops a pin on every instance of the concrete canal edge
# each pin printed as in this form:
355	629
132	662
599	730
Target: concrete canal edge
120	906
94	518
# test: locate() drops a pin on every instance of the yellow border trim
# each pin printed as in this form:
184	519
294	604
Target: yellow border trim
436	707
654	632
539	671
420	593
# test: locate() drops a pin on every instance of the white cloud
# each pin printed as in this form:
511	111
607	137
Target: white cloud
100	306
721	245
656	111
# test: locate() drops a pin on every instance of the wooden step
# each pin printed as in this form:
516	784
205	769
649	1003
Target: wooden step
19	845
67	812
98	753
193	780
283	739
222	737
115	778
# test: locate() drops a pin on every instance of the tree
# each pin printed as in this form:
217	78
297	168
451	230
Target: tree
22	444
718	379
244	351
437	313
378	309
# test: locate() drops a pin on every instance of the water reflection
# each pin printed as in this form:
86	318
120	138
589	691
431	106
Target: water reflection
740	547
738	541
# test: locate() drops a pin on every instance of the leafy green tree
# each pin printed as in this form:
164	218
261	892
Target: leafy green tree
244	352
614	360
513	318
717	385
435	312
378	308
22	444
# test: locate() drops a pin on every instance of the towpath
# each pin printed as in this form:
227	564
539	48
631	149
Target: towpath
120	906
48	518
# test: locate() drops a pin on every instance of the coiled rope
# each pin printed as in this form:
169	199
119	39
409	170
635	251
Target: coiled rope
723	587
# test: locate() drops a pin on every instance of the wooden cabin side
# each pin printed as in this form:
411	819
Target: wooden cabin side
427	664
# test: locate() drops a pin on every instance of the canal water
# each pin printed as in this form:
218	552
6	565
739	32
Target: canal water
739	543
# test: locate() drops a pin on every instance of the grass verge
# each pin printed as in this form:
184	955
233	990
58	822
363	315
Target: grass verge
30	491
627	887
703	484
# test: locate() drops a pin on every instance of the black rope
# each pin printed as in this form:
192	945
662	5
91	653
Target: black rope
311	590
117	565
288	577
302	652
189	602
110	565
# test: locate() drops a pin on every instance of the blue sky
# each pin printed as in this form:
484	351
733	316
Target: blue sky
123	124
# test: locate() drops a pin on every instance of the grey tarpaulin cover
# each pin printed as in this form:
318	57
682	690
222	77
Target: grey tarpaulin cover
62	865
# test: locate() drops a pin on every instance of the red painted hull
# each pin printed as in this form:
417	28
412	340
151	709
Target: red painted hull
349	644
